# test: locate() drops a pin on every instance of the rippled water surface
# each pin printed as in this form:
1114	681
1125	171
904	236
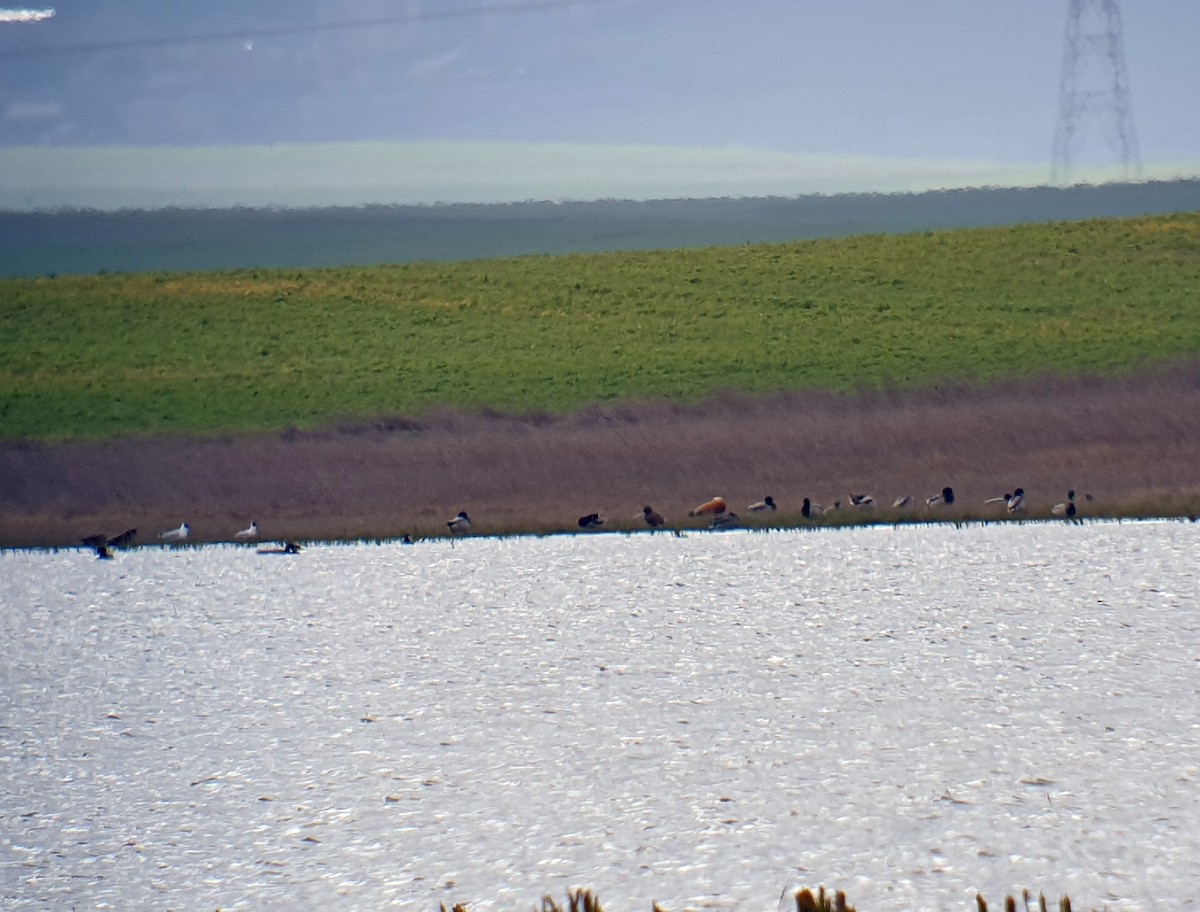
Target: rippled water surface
909	715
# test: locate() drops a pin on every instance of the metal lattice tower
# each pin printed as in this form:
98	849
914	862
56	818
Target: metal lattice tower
1093	102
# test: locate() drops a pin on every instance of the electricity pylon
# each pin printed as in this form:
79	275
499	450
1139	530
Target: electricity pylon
1093	101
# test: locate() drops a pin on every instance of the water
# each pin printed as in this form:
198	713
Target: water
909	715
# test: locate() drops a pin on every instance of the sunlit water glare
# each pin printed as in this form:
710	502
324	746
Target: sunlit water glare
909	715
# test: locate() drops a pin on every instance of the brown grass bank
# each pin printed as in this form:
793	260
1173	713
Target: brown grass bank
1131	443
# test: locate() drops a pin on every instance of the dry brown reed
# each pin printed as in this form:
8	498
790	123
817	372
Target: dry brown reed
1126	445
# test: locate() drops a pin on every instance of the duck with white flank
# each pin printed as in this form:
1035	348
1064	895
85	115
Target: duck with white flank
460	524
862	500
767	503
1016	502
176	535
591	521
944	497
653	519
249	532
1067	508
902	501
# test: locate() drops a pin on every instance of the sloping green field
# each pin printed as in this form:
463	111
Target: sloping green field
215	351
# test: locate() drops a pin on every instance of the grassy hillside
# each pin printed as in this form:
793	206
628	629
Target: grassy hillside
114	354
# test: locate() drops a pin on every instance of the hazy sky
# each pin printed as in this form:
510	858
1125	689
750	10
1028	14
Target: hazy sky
957	86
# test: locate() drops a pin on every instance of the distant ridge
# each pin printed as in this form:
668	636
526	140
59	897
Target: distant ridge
81	242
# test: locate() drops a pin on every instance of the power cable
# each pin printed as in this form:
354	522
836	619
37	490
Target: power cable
249	34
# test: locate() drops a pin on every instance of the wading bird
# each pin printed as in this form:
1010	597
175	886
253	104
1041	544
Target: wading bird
714	507
944	497
101	543
460	524
176	535
288	548
591	521
725	520
124	540
653	520
98	543
1067	508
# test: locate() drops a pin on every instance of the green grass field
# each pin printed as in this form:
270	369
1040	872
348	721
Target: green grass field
219	351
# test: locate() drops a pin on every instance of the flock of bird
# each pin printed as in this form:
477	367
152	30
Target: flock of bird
722	517
716	509
103	545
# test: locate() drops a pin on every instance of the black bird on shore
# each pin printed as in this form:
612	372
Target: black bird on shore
288	548
653	520
725	521
102	552
591	521
102	544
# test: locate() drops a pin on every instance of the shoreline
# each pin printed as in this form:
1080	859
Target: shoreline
1129	442
268	546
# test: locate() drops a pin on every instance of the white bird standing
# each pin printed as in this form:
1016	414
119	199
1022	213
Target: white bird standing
176	535
250	531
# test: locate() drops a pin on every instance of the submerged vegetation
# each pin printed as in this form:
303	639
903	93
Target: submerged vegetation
255	350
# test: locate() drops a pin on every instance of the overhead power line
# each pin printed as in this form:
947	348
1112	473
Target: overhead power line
531	6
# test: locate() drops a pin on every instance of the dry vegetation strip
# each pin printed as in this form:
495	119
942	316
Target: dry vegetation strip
1129	442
